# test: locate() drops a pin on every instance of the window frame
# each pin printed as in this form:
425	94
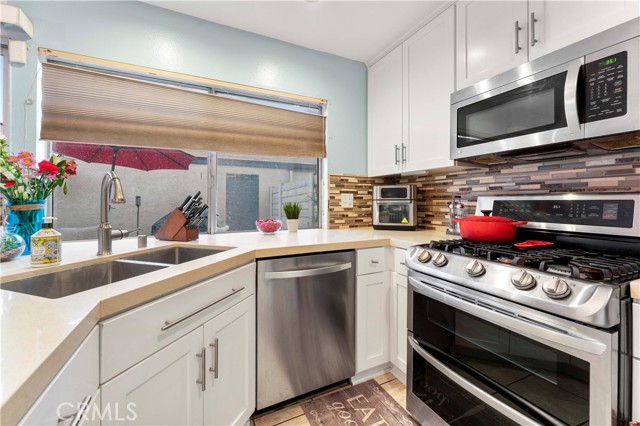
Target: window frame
6	111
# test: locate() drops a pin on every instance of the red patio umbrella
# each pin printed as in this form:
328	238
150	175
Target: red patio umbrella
126	156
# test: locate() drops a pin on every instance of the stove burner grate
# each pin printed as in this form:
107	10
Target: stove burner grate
575	263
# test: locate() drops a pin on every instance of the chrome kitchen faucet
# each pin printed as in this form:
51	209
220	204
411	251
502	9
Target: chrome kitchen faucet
105	233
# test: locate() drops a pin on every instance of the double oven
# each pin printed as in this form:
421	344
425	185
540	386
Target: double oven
503	336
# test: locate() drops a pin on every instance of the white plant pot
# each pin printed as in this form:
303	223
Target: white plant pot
292	225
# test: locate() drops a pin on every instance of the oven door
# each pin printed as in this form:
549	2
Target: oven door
478	360
533	111
397	213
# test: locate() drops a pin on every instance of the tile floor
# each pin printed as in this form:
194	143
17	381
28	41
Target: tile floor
293	415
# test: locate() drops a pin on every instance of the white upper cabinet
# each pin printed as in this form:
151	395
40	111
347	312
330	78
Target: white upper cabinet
495	36
409	93
491	38
385	114
561	23
429	70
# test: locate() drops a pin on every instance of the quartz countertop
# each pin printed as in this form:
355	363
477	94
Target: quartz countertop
39	335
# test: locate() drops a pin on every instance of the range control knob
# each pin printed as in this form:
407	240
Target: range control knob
424	256
523	280
556	288
439	259
475	268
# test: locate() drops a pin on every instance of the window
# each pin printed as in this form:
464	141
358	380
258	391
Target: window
238	188
4	94
242	189
250	187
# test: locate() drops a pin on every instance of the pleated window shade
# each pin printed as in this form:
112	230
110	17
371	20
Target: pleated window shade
91	107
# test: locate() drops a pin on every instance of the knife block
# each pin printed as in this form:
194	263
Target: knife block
174	229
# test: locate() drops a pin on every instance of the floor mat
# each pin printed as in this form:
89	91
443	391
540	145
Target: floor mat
363	404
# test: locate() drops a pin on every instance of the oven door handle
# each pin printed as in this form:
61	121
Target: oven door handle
518	322
471	388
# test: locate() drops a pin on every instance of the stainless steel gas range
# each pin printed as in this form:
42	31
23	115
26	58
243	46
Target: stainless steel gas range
505	336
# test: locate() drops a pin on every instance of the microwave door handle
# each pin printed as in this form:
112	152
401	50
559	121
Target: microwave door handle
571	95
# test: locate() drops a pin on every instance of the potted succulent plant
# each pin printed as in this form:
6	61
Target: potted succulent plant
292	212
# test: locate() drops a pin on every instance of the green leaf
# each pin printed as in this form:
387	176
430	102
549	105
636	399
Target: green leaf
65	189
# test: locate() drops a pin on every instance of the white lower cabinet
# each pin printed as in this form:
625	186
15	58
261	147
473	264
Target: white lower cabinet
372	321
398	331
185	359
231	374
161	390
72	391
205	377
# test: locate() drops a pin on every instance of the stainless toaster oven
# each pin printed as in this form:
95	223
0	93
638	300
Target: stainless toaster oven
394	207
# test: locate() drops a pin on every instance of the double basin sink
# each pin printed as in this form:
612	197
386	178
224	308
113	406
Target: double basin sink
63	283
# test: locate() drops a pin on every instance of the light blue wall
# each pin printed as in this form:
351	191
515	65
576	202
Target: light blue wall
137	33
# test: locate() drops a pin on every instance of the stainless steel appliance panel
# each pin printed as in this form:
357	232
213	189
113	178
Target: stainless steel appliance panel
305	324
623	77
474	324
520	116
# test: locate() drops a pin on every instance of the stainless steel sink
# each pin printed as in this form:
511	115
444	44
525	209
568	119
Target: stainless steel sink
66	282
175	255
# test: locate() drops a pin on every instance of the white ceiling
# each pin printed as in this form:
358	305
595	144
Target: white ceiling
359	30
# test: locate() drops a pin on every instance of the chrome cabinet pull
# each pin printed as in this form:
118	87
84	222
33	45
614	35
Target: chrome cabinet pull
533	29
168	324
404	154
306	272
397	154
518	28
214	367
202	381
78	415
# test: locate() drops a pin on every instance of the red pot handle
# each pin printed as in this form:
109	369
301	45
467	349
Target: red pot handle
457	219
520	222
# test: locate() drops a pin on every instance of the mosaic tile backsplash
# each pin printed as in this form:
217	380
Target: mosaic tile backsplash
610	173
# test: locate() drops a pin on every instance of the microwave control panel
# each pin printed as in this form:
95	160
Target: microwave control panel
606	81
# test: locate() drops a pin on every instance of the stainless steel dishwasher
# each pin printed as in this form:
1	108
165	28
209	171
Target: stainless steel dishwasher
305	324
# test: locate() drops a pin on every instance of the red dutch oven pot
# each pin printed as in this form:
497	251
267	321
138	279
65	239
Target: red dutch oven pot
488	229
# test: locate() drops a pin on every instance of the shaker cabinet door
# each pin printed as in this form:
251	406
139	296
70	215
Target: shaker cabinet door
429	80
230	339
488	39
561	23
162	389
385	114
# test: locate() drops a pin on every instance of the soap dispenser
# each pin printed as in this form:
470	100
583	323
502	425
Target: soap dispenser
46	245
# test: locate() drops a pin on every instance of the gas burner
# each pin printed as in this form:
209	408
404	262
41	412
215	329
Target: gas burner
582	264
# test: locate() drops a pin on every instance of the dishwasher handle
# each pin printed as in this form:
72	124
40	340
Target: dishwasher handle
300	273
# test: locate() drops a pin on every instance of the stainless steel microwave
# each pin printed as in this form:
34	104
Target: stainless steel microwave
550	106
394	207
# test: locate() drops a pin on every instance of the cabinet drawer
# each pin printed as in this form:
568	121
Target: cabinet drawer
77	381
399	266
371	260
136	334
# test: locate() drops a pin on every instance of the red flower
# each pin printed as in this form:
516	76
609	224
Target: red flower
70	167
9	183
47	167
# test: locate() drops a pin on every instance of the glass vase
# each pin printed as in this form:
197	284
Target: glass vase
25	219
11	244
